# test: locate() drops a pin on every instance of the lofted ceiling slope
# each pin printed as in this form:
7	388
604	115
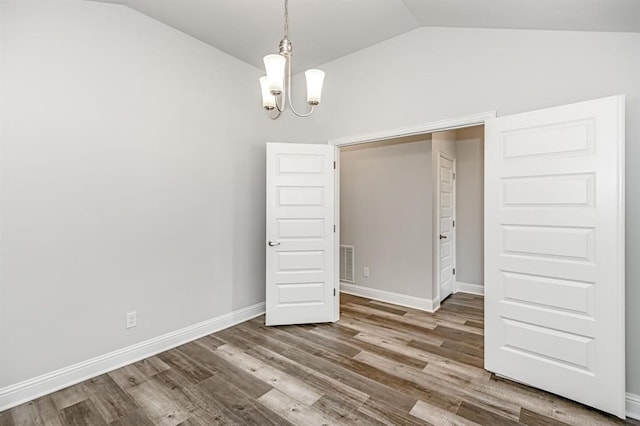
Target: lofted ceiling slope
323	30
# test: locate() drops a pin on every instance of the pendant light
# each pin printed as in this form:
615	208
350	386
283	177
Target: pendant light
276	85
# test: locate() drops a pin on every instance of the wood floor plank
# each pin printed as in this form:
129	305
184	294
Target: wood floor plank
288	385
6	418
180	361
421	387
401	323
151	366
294	411
81	414
248	383
127	376
453	391
335	407
208	410
134	417
345	375
69	396
157	405
386	412
367	326
482	416
244	407
39	412
318	381
391	331
387	308
448	353
108	398
379	350
531	418
477	324
338	347
438	416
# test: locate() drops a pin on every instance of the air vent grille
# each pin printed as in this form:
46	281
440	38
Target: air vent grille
346	264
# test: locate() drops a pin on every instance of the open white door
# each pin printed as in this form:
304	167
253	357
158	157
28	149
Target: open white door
300	274
445	220
554	251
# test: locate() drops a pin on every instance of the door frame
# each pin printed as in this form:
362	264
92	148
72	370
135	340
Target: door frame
420	129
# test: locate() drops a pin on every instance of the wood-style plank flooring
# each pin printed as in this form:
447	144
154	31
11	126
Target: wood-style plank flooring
379	365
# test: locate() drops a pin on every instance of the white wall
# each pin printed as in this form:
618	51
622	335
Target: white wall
470	205
132	170
437	73
385	213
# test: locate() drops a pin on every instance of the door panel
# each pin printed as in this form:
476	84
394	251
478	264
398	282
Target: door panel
554	251
300	236
445	232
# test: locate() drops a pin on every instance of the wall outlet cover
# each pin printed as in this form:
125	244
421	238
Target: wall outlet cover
132	319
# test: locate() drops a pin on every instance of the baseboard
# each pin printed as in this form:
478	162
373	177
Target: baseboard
633	406
389	297
36	387
470	288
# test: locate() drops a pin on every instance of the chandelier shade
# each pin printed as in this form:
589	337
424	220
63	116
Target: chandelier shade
268	99
275	66
276	85
315	78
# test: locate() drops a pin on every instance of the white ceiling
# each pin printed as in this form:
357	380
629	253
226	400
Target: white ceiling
323	30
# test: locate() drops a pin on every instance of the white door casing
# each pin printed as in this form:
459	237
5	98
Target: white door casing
554	251
300	247
446	232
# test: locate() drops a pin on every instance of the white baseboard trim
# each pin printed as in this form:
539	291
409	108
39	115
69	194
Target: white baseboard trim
389	297
633	406
470	288
16	394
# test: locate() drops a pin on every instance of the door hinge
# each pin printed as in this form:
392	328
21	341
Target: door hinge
454	223
334	165
454	271
334	292
454	175
334	228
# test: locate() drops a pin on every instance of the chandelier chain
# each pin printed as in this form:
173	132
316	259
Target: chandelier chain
286	18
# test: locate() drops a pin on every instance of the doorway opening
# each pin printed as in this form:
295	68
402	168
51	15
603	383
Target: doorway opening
399	209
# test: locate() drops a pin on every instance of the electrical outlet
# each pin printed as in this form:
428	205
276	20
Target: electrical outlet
365	271
132	319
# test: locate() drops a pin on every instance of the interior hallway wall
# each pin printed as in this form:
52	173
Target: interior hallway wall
470	205
385	213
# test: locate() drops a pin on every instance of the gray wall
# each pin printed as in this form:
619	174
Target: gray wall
479	70
470	205
130	180
385	213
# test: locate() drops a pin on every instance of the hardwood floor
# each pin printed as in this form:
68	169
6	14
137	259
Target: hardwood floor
380	364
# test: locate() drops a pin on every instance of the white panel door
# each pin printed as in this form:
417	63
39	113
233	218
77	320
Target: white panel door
554	251
445	234
300	276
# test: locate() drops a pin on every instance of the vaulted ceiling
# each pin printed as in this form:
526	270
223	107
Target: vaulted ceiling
323	30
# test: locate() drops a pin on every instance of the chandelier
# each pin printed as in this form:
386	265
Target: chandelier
276	85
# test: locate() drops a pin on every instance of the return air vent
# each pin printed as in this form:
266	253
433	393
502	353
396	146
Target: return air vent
346	264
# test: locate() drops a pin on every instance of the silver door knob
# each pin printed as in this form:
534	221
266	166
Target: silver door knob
443	237
273	243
